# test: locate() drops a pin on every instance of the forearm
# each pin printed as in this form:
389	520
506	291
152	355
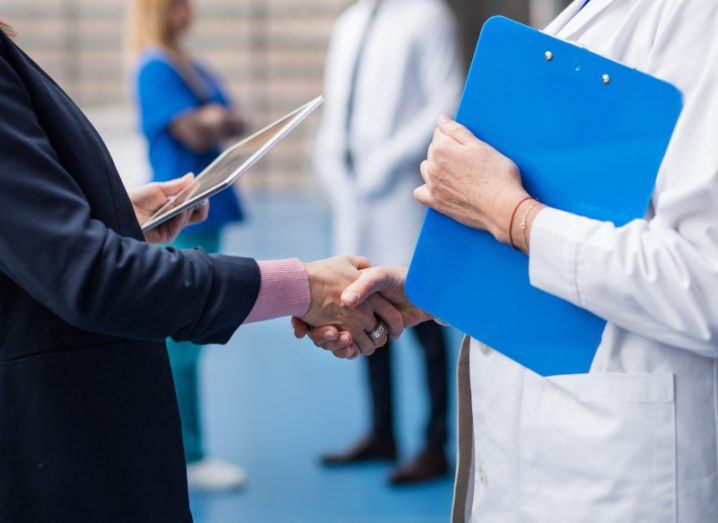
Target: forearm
203	129
644	277
132	289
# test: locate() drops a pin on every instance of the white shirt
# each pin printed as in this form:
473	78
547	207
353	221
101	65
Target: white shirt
636	440
410	74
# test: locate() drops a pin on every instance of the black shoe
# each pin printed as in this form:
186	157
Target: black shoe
426	466
369	448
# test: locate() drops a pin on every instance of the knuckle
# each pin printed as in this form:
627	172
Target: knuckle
440	149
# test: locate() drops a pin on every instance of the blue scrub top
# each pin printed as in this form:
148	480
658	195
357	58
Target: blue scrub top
163	94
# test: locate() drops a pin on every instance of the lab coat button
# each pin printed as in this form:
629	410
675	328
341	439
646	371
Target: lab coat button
483	479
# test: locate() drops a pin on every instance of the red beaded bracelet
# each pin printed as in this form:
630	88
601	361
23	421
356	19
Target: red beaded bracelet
513	218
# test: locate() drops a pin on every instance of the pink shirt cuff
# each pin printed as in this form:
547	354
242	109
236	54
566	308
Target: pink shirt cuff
284	291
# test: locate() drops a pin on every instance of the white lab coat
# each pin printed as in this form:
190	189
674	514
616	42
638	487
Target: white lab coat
411	73
636	439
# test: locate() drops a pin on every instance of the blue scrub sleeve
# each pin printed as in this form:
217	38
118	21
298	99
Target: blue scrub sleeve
163	95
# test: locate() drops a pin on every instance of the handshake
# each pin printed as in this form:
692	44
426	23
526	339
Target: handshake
354	307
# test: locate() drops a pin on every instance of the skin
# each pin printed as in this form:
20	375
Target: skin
465	179
386	282
327	278
327	281
475	184
204	129
148	199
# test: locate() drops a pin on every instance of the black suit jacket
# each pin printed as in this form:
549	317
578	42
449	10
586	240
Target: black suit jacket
89	427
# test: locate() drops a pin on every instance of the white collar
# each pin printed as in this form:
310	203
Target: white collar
575	17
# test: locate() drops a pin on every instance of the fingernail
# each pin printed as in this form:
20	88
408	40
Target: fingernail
330	336
350	298
344	339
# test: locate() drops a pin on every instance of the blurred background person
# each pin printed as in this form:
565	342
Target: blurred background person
186	116
393	67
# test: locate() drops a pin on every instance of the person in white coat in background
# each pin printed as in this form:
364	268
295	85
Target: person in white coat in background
635	439
393	67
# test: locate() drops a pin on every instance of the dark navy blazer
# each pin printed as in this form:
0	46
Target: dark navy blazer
89	427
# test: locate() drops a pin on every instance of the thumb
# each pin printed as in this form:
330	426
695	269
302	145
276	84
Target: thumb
423	195
370	282
360	262
456	131
300	328
177	185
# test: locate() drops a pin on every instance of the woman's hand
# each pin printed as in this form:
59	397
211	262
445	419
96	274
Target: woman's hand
471	182
386	283
148	199
328	280
237	123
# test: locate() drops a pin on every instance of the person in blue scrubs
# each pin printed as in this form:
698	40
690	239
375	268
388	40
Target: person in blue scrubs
185	117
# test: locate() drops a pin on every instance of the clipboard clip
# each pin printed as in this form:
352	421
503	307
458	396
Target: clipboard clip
605	78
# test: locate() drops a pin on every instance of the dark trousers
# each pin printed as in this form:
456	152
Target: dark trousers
432	339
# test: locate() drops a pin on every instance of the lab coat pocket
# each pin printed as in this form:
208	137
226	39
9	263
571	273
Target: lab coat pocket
598	447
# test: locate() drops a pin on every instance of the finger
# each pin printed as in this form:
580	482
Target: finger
369	282
343	353
300	328
367	321
423	195
345	340
172	228
365	344
321	335
355	353
456	131
424	170
346	353
392	318
440	322
360	262
199	214
173	187
378	344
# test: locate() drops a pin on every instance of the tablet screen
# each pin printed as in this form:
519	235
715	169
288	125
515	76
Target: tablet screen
231	164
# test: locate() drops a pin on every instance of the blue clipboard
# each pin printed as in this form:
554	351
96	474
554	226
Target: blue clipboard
589	136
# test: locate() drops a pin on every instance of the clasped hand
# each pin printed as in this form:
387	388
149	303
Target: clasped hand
348	299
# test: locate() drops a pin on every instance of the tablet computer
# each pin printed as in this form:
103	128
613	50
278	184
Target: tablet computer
231	164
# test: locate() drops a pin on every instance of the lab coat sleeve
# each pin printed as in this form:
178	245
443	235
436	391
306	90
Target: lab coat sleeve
325	160
441	76
657	277
56	251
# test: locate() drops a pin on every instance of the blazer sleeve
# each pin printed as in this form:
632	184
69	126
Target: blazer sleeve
96	280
